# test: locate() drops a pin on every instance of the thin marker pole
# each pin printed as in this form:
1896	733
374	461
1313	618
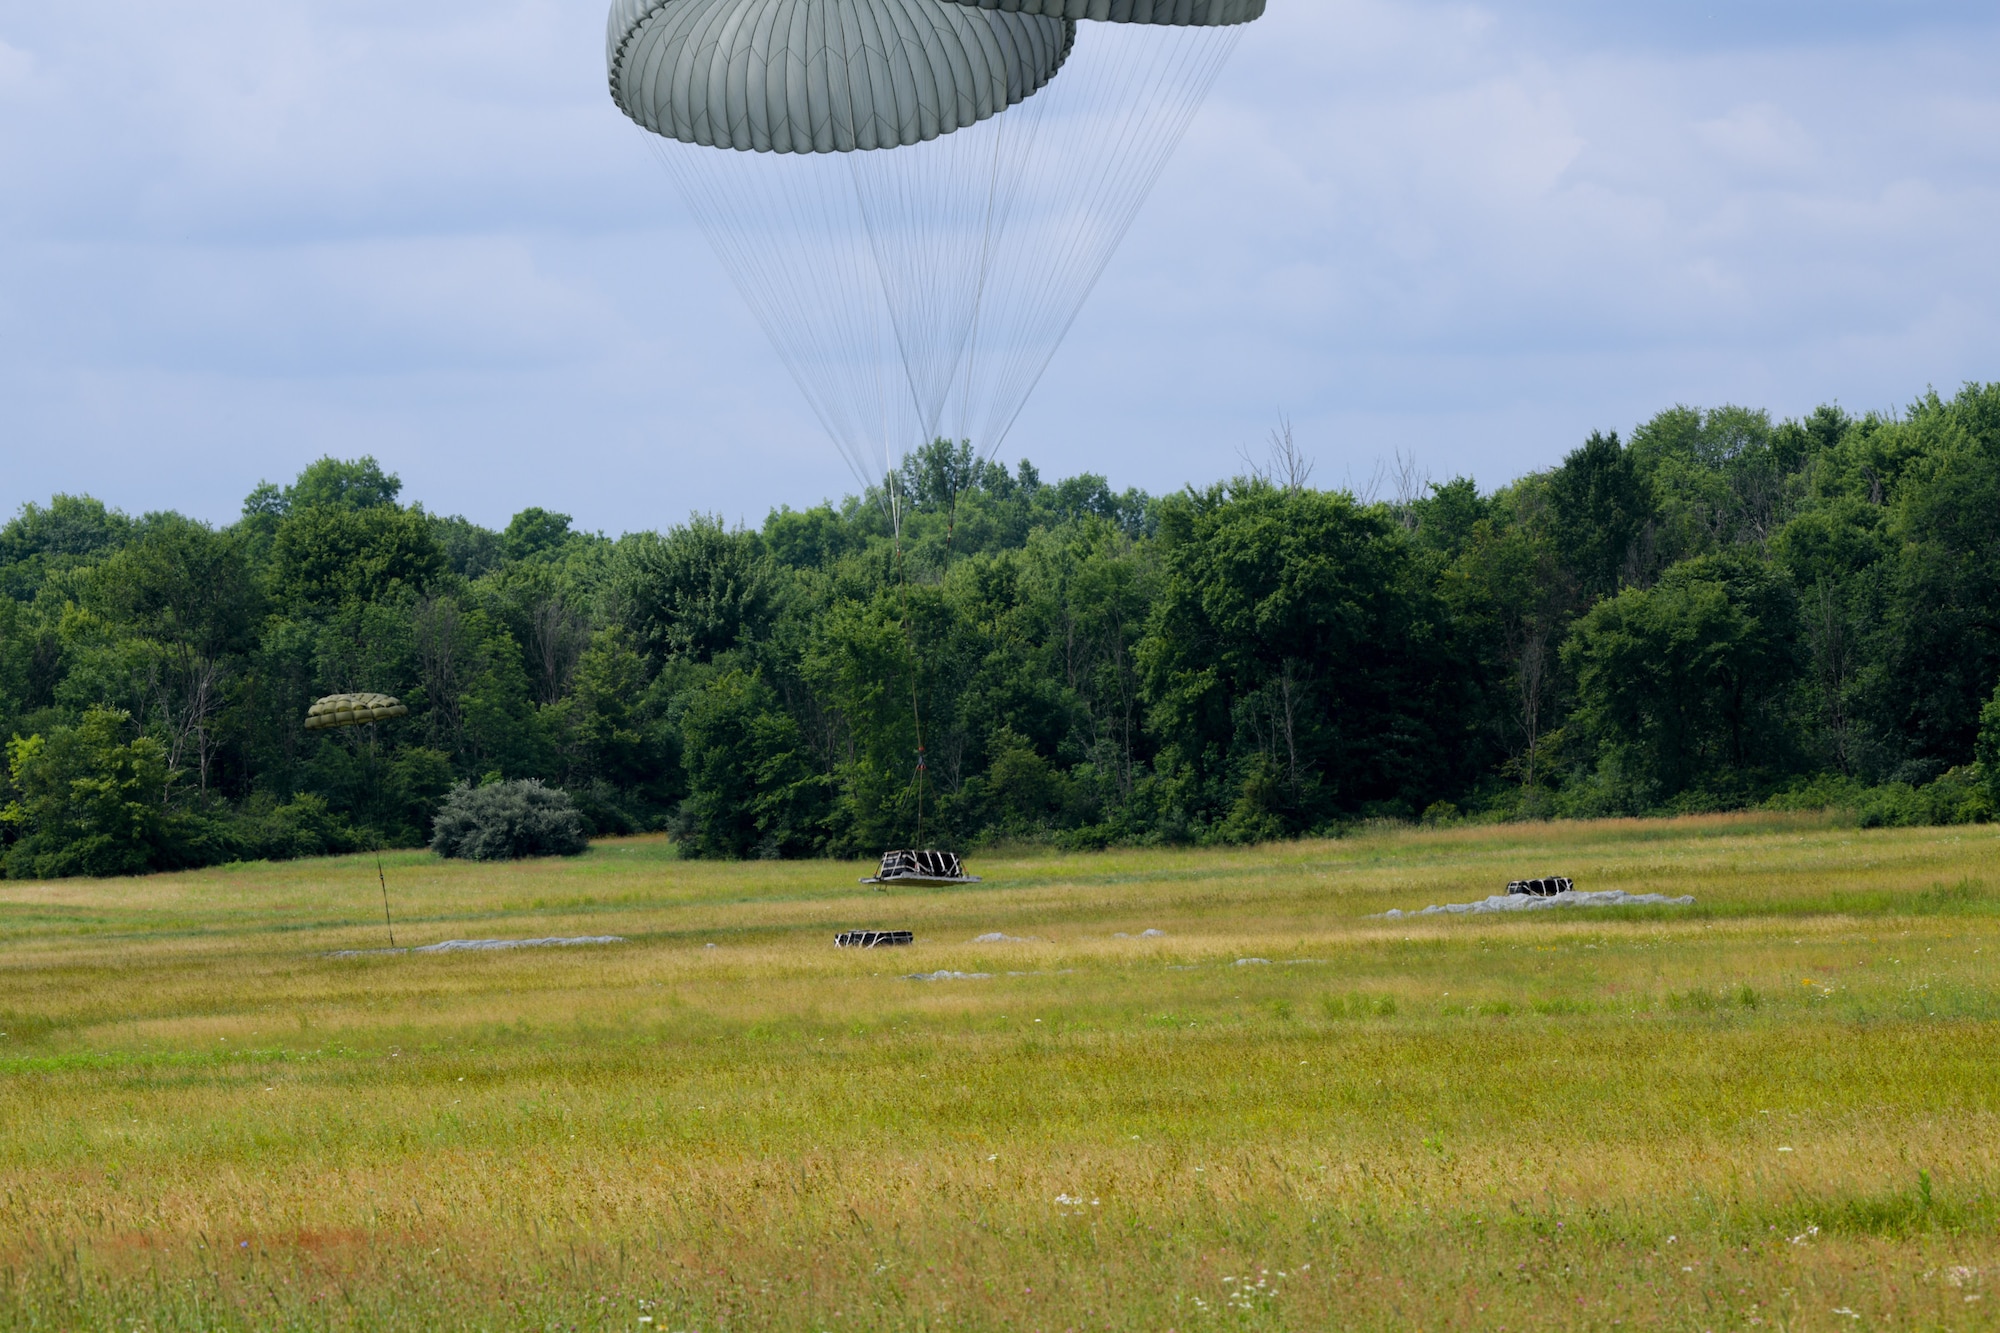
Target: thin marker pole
385	898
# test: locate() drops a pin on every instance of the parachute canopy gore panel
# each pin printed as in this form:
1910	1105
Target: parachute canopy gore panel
1178	13
824	76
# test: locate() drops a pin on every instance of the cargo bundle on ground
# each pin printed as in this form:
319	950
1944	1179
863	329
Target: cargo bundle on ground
922	869
873	939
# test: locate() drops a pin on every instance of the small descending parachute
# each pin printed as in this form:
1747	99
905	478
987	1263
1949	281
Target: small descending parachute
915	249
358	710
353	710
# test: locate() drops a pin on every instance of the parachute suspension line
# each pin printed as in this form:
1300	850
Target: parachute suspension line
383	880
916	667
930	211
931	214
1013	143
1099	138
787	230
790	231
375	839
899	285
922	767
904	278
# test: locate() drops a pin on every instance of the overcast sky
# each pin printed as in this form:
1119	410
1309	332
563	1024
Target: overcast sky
235	236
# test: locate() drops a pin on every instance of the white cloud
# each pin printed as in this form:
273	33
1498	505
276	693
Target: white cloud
1576	237
17	69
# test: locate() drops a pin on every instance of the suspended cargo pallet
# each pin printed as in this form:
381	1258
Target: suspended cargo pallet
1547	887
922	869
873	939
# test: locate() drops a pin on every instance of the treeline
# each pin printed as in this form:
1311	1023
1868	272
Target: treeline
1720	612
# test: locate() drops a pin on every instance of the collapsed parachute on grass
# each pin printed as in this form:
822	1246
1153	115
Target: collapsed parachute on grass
353	710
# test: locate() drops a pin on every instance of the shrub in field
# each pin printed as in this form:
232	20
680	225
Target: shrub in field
505	821
1957	797
1989	748
302	826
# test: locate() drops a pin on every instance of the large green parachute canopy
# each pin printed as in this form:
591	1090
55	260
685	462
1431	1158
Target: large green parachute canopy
353	710
800	76
927	190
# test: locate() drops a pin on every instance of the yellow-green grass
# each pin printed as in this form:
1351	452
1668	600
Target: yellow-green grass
1779	1107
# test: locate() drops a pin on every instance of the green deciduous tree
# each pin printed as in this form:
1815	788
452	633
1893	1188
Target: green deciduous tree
696	592
1602	514
859	661
326	556
1939	631
1690	685
1510	594
536	532
328	483
86	800
73	531
1086	591
1725	477
751	788
187	591
1297	665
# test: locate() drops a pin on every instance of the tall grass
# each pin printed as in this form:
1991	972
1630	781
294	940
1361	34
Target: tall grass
1775	1106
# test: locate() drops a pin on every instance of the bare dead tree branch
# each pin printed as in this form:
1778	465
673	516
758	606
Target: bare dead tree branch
558	635
1290	467
1285	465
1371	490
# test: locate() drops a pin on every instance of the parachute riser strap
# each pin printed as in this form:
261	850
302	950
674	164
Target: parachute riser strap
910	647
375	780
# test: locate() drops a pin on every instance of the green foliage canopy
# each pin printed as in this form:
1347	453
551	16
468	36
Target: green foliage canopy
87	801
1297	661
1690	681
1724	611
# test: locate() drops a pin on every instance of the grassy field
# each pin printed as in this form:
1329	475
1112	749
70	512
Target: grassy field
1778	1108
